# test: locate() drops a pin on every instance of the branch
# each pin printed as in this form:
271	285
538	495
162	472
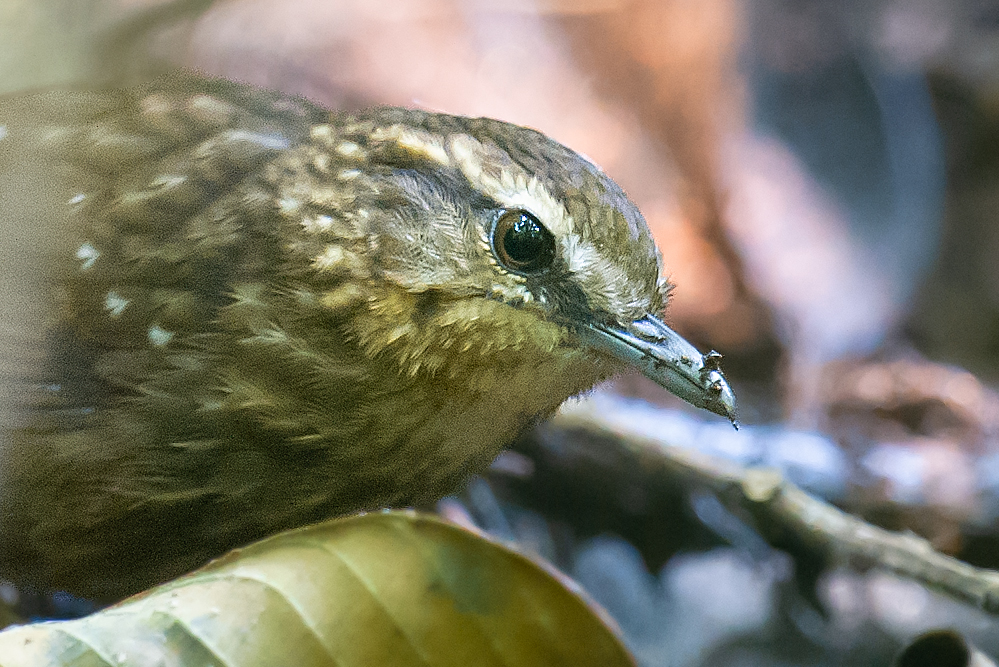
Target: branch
781	510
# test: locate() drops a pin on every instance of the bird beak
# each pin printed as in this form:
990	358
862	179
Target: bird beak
667	359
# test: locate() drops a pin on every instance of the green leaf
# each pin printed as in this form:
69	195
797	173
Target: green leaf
394	588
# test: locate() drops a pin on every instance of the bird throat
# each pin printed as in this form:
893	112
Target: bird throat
477	370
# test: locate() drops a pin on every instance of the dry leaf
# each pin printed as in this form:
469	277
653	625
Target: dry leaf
394	588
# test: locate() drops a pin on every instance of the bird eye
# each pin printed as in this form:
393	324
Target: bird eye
522	243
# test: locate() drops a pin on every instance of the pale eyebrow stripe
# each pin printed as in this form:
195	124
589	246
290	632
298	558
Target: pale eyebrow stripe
511	186
414	140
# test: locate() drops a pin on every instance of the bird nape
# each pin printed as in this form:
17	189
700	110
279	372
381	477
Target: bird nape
237	312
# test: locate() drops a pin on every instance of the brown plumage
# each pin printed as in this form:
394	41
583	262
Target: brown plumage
238	313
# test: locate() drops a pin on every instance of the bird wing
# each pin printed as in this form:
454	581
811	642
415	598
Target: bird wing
130	218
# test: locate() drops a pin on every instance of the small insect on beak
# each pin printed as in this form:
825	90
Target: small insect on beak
667	359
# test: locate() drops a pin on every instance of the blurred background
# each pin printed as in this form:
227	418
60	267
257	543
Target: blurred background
823	181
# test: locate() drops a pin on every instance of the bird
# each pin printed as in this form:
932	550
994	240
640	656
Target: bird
233	312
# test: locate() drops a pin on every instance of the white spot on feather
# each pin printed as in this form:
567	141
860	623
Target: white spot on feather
87	254
330	258
115	303
289	206
159	336
348	149
321	223
322	133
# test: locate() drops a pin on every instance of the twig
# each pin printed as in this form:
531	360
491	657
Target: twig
779	508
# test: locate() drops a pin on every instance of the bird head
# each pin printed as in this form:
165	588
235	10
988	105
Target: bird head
495	247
